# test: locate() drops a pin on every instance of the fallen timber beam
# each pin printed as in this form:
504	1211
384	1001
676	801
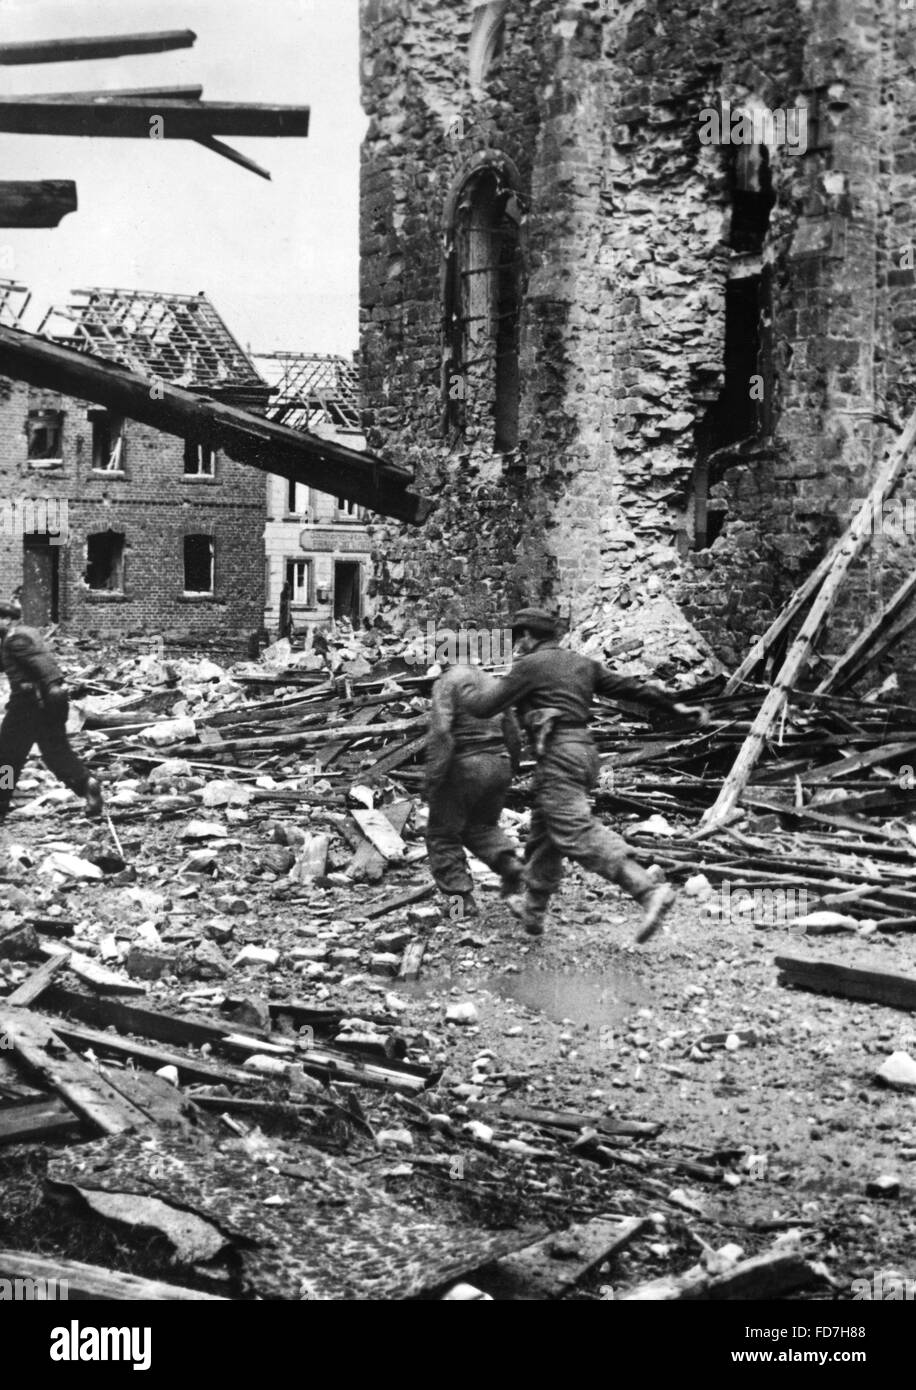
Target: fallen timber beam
128	118
89	1283
249	438
852	982
842	555
98	46
893	621
36	203
860	526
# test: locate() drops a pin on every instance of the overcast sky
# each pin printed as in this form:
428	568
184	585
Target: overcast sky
279	260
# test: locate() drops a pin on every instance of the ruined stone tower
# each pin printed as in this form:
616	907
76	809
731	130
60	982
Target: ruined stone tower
637	301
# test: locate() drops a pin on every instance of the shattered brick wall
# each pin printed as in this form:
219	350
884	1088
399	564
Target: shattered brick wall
154	506
659	285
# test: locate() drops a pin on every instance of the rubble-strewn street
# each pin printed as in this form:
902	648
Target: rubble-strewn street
256	993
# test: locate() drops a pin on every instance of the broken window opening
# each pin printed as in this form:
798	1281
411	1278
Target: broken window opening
742	411
107	442
297	499
45	431
199	460
300	578
348	510
482	310
105	562
198	564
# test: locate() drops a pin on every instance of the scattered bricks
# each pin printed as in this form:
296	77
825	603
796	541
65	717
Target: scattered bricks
151	963
384	963
884	1186
257	955
209	962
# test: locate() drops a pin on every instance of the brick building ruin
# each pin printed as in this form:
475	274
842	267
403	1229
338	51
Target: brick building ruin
315	542
160	535
647	361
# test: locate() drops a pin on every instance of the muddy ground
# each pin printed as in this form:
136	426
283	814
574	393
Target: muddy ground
579	1020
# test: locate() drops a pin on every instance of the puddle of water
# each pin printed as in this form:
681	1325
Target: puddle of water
591	999
559	994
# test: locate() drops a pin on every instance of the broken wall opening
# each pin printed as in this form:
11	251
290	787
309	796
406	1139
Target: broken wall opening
742	410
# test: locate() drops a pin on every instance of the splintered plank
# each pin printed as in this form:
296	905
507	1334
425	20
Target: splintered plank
326	755
569	1119
91	1282
765	1276
88	1095
412	960
38	981
851	982
553	1266
36	1120
110	1044
381	833
77	50
94	975
181	1030
415	895
368	861
394	758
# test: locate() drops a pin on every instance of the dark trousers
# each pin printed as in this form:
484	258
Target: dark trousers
25	723
563	826
464	813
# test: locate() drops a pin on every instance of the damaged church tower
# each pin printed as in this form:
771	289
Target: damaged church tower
636	303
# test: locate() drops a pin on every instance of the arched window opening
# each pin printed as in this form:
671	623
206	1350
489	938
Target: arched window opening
487	30
483	300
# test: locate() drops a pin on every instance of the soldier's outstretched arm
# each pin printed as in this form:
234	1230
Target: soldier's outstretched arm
505	692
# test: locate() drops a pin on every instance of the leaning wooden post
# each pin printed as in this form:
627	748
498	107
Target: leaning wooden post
849	546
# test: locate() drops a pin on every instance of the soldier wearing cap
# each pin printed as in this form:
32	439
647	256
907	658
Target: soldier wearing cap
552	690
36	713
469	767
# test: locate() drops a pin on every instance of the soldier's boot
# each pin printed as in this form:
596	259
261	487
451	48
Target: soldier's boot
531	912
656	899
93	795
459	906
510	870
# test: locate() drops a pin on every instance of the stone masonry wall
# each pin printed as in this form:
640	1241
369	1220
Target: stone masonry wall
627	247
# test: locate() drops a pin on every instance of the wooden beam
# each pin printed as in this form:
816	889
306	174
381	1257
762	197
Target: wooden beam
129	118
860	526
191	91
88	1095
36	1121
851	982
99	46
891	623
301	457
36	203
555	1265
92	1282
37	982
215	146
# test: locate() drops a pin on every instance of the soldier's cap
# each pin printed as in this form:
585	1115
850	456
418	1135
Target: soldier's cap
10	610
537	621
